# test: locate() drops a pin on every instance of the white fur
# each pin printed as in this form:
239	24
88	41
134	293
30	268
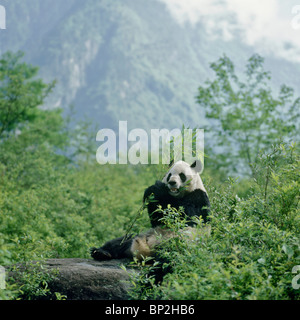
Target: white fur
193	177
144	245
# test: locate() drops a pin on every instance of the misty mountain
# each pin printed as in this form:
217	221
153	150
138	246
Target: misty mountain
123	59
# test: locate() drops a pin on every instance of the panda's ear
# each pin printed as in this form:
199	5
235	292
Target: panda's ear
197	166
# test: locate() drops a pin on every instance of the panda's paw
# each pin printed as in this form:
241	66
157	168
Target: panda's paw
100	254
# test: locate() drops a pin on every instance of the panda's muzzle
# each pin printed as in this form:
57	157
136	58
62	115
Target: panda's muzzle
172	188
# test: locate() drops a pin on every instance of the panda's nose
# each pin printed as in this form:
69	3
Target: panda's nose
172	183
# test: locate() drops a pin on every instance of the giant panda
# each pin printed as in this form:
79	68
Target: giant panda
180	187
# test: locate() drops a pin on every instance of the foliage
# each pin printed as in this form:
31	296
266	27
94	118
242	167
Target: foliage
55	202
253	246
246	118
53	205
20	94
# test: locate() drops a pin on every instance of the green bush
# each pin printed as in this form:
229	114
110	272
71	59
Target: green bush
253	246
55	202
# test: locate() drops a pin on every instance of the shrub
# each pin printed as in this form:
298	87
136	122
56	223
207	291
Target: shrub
253	246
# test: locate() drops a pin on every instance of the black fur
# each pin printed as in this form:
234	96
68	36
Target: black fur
195	203
113	249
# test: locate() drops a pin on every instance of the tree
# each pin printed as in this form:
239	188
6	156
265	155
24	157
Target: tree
20	92
245	116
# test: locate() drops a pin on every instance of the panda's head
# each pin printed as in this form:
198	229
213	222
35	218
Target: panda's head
183	178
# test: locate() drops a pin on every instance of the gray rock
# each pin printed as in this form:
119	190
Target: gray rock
86	279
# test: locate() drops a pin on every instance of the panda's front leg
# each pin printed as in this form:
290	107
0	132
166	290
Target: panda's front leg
114	249
155	196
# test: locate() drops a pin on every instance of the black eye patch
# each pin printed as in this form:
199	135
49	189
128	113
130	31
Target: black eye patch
182	177
169	176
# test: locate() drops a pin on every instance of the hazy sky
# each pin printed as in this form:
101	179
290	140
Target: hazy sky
271	26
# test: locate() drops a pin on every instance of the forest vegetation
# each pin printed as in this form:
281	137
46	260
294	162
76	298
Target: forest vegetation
56	201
